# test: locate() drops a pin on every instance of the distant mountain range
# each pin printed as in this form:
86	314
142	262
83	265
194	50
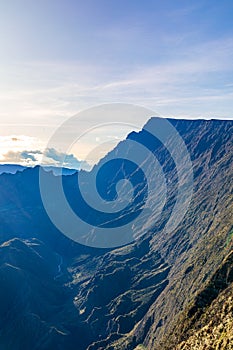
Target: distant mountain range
13	168
162	292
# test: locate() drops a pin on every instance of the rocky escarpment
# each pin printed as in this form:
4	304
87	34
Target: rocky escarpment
69	296
217	330
199	245
208	322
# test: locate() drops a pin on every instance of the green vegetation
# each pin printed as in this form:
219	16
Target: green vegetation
229	238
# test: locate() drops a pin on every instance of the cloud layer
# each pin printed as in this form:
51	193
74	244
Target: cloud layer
50	157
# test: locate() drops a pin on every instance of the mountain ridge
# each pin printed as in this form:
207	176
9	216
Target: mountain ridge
124	297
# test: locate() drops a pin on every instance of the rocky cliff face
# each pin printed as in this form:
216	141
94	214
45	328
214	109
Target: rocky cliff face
207	322
202	241
134	297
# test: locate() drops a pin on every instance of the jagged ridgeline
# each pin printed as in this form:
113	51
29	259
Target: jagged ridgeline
160	292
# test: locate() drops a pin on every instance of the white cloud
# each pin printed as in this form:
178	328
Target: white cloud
21	157
54	157
50	157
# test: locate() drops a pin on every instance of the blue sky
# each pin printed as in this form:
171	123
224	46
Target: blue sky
59	57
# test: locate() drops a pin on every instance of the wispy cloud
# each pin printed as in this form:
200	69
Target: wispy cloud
21	157
14	152
190	82
195	67
53	157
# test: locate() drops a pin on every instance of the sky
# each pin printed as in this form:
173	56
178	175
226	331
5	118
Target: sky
59	57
